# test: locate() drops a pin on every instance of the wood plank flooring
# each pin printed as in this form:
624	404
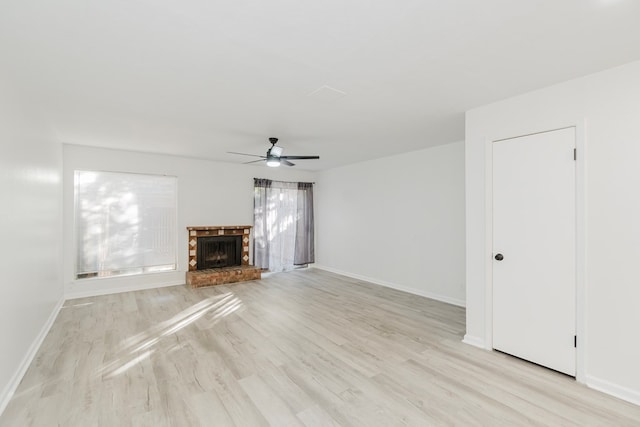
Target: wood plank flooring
305	348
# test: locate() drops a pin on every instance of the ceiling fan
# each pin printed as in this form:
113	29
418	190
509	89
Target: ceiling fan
274	157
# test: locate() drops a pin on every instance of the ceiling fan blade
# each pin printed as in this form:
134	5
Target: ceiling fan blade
300	157
253	161
286	162
245	154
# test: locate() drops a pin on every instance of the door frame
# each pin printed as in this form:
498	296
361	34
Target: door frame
581	273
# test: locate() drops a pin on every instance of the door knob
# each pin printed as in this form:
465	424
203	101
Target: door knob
499	257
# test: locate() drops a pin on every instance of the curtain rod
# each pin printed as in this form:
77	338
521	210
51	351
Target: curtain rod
304	182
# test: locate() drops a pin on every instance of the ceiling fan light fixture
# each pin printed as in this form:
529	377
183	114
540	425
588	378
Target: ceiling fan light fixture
273	162
276	151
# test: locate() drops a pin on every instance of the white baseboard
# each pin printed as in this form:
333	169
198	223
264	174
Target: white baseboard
615	390
13	384
430	295
474	341
73	294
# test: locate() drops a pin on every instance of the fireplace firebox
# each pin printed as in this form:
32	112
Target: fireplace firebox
219	251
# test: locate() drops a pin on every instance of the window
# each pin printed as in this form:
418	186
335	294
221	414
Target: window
125	223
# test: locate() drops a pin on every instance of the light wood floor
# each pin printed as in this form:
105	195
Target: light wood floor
302	348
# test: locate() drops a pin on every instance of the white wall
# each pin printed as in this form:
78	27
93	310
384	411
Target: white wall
209	193
605	108
30	237
397	221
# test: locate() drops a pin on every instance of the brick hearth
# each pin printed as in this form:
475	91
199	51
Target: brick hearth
224	275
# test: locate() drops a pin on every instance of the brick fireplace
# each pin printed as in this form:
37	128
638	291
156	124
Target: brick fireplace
219	255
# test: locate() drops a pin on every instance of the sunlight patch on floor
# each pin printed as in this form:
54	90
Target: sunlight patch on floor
213	309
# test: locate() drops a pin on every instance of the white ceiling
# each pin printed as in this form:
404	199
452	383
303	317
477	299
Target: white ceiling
199	78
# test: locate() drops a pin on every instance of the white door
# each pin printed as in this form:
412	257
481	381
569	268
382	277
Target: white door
534	234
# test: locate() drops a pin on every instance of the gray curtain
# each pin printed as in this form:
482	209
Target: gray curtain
283	224
304	251
260	225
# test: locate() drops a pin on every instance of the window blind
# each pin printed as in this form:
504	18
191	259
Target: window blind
125	223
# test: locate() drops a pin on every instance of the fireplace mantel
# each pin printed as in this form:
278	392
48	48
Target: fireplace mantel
218	227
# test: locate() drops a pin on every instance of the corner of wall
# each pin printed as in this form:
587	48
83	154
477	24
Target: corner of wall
11	387
474	341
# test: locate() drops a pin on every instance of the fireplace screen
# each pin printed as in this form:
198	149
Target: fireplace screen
219	251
